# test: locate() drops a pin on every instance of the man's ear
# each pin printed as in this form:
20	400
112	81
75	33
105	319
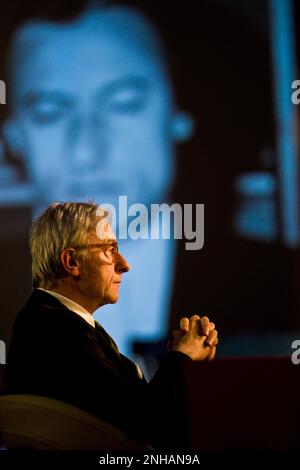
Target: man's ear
70	263
182	126
13	138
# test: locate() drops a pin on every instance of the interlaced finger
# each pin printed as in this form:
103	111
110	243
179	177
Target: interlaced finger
184	325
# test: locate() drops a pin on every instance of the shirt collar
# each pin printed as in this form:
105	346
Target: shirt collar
73	306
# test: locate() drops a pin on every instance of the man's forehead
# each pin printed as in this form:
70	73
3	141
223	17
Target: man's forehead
98	48
100	25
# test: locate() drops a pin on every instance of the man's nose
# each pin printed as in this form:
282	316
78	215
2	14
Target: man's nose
87	142
122	265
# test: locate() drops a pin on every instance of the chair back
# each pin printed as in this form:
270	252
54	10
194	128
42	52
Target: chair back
42	423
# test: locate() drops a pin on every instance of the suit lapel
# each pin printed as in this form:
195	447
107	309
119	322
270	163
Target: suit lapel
125	366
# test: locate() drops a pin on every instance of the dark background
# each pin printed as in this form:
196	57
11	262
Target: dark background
220	60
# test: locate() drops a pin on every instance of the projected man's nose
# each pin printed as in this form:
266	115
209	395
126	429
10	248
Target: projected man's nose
87	143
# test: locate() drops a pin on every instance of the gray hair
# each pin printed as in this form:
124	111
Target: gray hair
60	226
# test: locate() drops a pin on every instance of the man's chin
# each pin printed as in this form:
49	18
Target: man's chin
112	300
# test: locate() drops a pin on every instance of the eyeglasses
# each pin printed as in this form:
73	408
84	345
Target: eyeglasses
110	248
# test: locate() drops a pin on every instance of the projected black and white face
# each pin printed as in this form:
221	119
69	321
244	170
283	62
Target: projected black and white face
92	109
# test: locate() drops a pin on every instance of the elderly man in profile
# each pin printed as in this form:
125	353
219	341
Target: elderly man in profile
59	351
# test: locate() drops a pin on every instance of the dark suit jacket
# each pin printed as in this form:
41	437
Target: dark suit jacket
55	353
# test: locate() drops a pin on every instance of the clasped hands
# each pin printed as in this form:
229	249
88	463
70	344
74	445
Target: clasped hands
196	337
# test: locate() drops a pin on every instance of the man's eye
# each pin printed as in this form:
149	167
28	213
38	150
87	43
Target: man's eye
112	251
108	250
115	250
47	113
127	101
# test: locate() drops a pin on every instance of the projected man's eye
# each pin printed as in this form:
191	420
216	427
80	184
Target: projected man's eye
46	111
128	100
125	96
